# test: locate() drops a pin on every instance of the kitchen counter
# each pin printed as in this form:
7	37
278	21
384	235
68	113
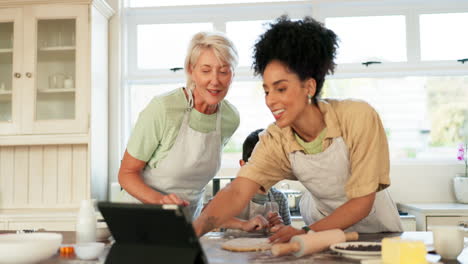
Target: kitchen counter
212	241
429	214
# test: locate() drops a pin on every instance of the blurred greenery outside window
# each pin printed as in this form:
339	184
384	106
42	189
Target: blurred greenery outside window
424	117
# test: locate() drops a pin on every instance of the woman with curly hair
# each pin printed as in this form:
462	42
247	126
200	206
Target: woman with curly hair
336	148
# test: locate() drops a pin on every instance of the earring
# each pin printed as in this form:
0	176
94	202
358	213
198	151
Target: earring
309	98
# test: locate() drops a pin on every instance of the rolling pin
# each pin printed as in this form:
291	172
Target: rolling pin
312	242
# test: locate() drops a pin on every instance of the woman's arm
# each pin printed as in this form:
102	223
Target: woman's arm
131	180
343	217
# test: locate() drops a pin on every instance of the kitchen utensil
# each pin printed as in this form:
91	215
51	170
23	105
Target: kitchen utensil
312	242
56	80
88	251
448	240
28	247
86	223
102	232
68	82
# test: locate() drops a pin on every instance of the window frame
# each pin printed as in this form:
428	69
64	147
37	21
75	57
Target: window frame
319	9
411	10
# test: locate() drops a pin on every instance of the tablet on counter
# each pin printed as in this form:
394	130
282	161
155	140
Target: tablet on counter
147	233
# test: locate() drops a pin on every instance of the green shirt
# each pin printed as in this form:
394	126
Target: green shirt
315	146
159	123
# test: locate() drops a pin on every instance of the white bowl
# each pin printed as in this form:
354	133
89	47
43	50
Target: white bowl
29	247
88	251
102	232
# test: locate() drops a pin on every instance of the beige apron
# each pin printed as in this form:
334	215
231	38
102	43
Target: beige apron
191	163
325	175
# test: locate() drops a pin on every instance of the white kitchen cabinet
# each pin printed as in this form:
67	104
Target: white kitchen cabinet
53	108
429	214
44	80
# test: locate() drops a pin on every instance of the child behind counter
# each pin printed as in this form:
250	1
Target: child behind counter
253	217
257	203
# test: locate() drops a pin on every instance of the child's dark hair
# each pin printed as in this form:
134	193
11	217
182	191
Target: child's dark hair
305	46
249	144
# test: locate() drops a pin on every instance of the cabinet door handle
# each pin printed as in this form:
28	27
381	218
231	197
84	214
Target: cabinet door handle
17	75
28	74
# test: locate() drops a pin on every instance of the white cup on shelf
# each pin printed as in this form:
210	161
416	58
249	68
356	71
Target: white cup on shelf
2	87
68	83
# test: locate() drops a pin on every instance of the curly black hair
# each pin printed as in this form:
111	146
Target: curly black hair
306	47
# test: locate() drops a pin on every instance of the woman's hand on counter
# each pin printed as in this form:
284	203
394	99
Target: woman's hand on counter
173	199
283	233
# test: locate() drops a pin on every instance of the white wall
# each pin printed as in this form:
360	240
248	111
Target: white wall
417	183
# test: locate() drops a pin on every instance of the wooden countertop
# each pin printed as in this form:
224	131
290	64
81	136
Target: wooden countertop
211	244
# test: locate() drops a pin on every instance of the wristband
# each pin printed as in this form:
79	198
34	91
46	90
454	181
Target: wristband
307	229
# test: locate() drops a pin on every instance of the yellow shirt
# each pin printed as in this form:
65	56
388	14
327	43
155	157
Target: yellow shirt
361	129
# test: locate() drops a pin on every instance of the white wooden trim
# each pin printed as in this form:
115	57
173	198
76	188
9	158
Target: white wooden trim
104	8
10	3
36	175
6	176
52	139
21	171
400	69
50	175
64	173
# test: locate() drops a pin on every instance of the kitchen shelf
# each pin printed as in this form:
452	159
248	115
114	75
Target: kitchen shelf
57	90
6	51
6	92
5	96
57	48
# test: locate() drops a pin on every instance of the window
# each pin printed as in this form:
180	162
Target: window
155	40
245	39
422	115
372	38
418	87
442	36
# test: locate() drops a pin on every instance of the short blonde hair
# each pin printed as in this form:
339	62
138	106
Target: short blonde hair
222	47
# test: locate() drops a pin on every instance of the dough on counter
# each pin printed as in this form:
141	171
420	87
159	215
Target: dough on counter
245	244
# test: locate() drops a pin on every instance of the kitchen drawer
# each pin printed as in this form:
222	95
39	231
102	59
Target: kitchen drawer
445	220
408	222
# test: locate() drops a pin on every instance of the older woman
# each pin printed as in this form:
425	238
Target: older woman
175	147
336	148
